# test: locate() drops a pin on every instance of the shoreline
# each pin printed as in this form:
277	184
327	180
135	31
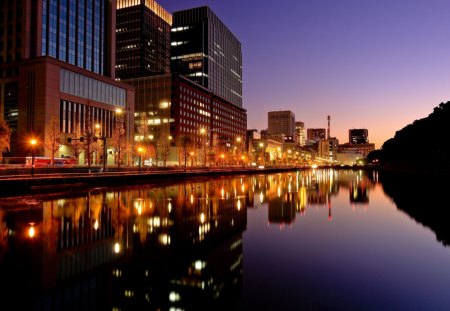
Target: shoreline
69	179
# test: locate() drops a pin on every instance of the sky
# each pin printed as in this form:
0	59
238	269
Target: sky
378	65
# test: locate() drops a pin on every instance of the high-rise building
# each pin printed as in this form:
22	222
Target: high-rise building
204	50
328	148
300	133
358	142
172	106
79	32
142	39
57	62
316	134
358	136
281	122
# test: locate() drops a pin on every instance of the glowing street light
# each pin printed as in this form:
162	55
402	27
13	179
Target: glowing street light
203	133
31	232
33	143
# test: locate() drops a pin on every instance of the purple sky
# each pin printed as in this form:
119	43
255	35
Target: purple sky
369	64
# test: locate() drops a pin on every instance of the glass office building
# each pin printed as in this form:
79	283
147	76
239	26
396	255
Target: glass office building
143	39
76	31
56	57
204	50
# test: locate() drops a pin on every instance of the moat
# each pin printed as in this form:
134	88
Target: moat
313	239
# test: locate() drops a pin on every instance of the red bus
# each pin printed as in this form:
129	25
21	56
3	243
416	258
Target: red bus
46	161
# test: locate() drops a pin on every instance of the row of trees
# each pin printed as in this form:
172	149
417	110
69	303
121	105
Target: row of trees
156	143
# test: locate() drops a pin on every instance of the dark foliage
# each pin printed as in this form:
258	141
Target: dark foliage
423	143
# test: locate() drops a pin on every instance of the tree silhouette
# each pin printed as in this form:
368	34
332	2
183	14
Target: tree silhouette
5	137
185	144
52	141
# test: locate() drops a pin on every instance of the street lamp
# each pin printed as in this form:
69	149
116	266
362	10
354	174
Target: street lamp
203	133
223	159
33	143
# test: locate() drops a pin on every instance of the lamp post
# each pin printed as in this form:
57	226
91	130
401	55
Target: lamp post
33	143
203	133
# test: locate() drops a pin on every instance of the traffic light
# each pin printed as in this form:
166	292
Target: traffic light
82	139
69	140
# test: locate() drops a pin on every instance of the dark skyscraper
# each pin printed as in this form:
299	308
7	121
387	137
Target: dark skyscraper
358	136
143	39
204	50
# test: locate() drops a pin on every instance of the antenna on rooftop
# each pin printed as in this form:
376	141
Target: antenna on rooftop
328	130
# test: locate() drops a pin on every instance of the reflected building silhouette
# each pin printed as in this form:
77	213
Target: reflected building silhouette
70	253
54	255
290	193
149	246
359	193
187	250
423	198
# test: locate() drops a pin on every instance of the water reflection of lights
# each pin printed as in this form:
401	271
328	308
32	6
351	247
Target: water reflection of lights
239	205
117	247
138	205
202	217
154	222
96	224
31	231
199	265
164	239
174	297
261	197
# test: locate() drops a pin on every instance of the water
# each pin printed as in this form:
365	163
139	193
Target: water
291	241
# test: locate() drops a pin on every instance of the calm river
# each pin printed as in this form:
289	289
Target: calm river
319	239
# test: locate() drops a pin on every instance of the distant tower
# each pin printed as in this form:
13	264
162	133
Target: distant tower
328	130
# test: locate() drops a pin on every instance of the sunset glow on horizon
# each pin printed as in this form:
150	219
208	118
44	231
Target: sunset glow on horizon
378	65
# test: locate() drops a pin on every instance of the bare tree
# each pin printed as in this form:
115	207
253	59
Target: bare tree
52	141
163	142
185	143
146	133
118	139
5	137
76	143
89	137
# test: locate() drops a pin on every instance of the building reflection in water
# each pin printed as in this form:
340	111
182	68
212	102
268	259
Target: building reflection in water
290	194
173	247
143	246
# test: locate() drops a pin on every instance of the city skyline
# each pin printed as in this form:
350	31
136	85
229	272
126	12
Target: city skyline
378	65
